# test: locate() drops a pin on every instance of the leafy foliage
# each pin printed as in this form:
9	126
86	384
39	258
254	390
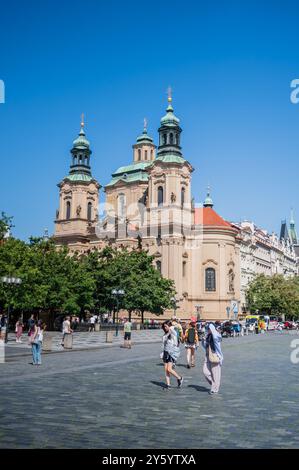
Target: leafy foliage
274	294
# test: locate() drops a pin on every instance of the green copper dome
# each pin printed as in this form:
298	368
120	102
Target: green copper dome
171	158
144	138
208	202
79	177
170	118
81	141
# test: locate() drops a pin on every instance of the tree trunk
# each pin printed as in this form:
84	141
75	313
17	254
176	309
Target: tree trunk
142	317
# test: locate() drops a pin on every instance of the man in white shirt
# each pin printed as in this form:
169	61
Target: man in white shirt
66	329
92	323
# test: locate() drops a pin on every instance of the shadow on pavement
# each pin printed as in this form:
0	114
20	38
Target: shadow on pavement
159	384
199	388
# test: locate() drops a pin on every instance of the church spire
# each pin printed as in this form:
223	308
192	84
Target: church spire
293	231
81	152
169	131
144	148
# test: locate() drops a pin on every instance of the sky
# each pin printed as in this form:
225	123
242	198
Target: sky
229	63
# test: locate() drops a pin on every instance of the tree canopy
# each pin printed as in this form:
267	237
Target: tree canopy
274	295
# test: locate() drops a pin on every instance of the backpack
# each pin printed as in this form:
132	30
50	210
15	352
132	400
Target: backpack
191	336
178	333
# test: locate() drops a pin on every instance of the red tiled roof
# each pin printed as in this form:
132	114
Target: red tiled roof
207	216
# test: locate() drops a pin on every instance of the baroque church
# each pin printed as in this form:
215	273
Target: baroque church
149	205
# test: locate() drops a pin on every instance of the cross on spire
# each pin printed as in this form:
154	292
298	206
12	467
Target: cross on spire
145	124
82	120
169	93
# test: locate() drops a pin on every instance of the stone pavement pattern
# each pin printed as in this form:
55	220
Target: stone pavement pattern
113	398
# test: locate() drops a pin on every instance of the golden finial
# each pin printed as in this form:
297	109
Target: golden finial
82	120
169	93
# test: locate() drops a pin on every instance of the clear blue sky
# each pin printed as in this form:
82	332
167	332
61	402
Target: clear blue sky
230	64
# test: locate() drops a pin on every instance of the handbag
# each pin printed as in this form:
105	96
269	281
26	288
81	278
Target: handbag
213	357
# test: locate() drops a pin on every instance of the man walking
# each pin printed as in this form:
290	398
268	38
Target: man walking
127	334
66	329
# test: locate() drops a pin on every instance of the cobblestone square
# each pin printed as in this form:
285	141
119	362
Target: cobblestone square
114	398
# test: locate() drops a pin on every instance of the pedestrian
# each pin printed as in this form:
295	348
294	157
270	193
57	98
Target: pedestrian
3	324
30	323
66	329
36	339
127	333
191	343
213	359
170	353
19	330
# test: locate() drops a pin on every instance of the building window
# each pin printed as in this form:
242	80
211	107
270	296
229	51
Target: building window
68	210
89	211
184	268
171	138
164	139
80	159
159	266
151	154
182	197
210	279
139	154
177	139
145	155
160	196
121	205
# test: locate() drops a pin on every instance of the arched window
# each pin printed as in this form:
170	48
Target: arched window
210	279
80	159
160	196
164	139
151	154
121	205
182	197
171	138
139	154
68	210
177	139
159	266
75	160
145	155
89	211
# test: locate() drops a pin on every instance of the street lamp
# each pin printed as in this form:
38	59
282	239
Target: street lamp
9	281
117	293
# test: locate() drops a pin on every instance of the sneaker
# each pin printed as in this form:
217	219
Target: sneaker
188	366
211	392
180	382
167	387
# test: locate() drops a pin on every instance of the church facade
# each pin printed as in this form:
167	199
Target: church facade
149	204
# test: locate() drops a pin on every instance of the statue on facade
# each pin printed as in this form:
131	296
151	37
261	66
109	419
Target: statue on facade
172	198
231	278
57	214
78	210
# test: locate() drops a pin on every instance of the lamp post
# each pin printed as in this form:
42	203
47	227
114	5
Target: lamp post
9	281
117	293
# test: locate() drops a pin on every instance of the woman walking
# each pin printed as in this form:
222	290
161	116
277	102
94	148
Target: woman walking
171	353
213	359
19	330
191	344
36	339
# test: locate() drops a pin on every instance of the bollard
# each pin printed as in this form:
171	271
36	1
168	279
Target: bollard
68	341
47	342
97	327
109	336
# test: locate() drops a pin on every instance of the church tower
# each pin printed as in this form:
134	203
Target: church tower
79	196
170	173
